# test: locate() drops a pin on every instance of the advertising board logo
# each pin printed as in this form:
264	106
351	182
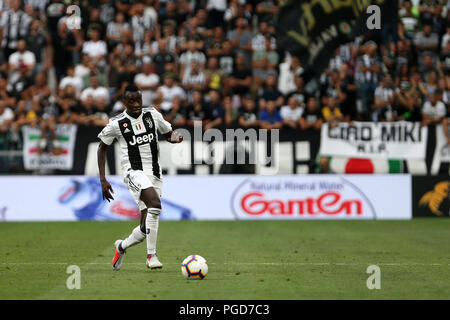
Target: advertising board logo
434	198
324	197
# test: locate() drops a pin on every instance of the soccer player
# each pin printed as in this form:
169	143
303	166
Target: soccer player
135	129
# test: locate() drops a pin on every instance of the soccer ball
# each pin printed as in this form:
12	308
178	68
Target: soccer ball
194	267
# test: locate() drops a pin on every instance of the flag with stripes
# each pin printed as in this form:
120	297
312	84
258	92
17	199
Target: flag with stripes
60	158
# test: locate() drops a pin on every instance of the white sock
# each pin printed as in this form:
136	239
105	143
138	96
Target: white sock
136	236
151	224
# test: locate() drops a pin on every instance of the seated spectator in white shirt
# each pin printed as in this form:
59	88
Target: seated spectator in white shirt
291	113
147	81
168	92
94	91
96	48
72	80
82	69
433	110
19	58
6	117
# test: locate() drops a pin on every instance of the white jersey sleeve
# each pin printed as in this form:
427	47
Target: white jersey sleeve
109	133
162	125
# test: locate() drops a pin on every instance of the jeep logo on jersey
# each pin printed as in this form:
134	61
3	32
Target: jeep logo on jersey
325	197
146	138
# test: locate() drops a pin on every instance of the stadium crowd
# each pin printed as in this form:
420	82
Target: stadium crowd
210	61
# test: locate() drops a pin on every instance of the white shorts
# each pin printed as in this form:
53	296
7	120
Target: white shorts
137	180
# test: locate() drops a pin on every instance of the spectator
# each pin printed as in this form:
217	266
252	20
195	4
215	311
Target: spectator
289	69
14	25
215	110
164	61
331	112
311	117
82	69
192	54
215	78
68	105
426	42
248	113
94	93
141	22
193	79
22	58
214	45
271	93
324	165
227	59
259	40
299	94
196	113
409	19
434	110
96	49
368	73
405	104
148	82
116	30
291	113
264	63
266	10
72	80
65	45
168	92
270	118
241	39
39	43
39	92
22	82
430	13
241	78
6	119
216	10
384	99
6	95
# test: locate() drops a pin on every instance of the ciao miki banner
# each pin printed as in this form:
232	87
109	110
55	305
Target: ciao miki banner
393	140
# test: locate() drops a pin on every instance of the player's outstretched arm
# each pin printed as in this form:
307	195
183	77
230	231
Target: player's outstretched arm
173	137
101	160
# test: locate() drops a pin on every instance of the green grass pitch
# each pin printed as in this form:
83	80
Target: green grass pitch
247	260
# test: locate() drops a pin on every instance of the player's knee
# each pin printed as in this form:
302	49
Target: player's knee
142	227
155	203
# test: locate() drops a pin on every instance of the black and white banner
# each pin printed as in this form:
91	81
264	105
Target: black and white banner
387	140
312	30
441	151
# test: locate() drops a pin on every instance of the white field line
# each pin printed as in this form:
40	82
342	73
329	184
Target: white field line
240	263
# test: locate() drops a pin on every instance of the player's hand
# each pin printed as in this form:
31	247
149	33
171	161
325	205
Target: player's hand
175	137
107	190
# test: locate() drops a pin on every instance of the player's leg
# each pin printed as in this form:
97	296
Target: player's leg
151	198
138	234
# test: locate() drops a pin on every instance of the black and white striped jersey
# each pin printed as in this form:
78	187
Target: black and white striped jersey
138	139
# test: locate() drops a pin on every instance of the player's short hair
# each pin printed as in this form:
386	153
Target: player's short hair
131	88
